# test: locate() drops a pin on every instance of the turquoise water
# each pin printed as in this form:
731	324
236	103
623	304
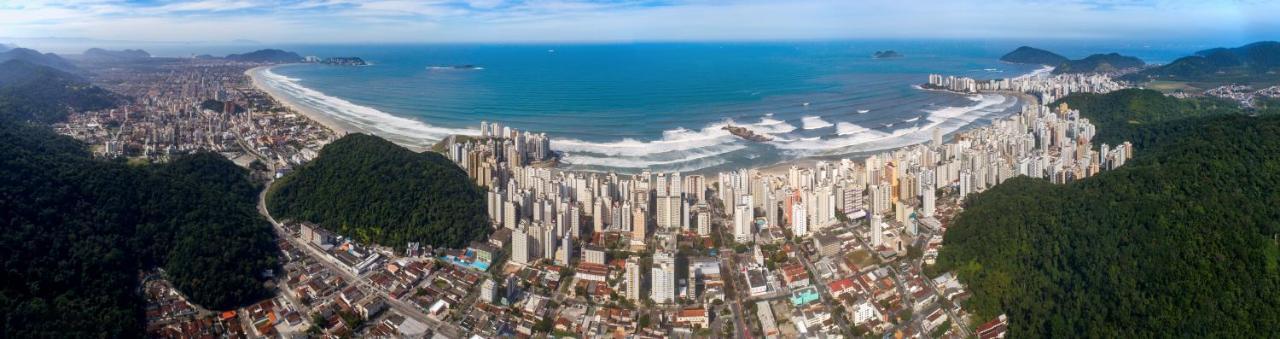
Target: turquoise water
627	107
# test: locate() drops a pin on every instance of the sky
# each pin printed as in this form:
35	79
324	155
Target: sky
502	21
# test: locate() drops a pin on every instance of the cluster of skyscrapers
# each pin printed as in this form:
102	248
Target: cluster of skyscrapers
1047	88
187	105
548	210
901	186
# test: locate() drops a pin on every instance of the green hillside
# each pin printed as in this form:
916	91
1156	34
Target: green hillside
77	232
1179	242
1121	114
31	92
375	191
1035	56
35	57
1098	63
266	55
1256	64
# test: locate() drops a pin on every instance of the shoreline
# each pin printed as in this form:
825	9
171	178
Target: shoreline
781	167
320	118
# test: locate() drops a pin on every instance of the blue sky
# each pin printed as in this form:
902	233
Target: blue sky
345	21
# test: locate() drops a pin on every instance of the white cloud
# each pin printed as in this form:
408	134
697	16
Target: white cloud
576	20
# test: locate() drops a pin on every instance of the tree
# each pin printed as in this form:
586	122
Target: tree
1182	232
378	192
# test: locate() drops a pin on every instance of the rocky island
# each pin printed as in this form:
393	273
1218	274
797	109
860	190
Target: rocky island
344	61
887	54
749	135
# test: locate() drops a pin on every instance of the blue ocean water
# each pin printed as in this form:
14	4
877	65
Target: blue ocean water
628	107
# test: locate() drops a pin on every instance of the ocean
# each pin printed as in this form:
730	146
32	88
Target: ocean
657	106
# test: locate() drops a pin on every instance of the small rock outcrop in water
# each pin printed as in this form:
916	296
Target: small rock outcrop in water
344	61
749	135
886	54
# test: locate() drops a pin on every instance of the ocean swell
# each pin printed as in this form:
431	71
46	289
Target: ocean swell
405	131
850	137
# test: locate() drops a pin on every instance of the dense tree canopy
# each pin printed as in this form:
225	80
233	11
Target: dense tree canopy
30	92
78	231
1036	56
1098	63
1178	242
1121	114
375	191
1257	62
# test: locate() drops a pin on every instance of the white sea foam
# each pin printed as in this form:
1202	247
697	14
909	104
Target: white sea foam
672	140
454	68
405	131
845	128
674	159
1043	71
678	149
772	126
854	138
814	122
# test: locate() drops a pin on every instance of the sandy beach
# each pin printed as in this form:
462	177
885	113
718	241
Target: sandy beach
321	118
776	169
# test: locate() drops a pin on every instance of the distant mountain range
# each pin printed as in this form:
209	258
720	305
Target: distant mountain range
1255	62
1062	65
35	57
128	54
267	55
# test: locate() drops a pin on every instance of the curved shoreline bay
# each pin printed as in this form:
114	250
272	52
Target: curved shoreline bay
813	104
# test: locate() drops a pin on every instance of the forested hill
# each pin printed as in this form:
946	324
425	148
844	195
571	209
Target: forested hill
375	191
78	231
266	55
1099	63
1096	63
35	57
1035	56
1179	242
1121	114
31	92
1252	63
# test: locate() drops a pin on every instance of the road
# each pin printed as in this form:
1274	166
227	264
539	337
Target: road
407	309
964	328
823	290
729	266
738	315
